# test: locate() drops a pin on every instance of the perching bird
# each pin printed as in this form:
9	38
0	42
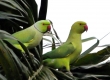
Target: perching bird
32	35
68	52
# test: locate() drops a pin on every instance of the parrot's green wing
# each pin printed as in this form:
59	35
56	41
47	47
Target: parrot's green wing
62	51
25	36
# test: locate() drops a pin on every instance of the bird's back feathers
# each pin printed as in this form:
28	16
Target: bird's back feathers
62	51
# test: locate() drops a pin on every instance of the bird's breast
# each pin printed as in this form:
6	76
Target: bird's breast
36	40
78	48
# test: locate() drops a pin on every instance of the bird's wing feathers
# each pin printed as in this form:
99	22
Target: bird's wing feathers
62	51
27	36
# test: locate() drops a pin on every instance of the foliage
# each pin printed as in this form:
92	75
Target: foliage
16	15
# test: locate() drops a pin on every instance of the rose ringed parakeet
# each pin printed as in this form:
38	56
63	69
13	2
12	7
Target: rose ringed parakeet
32	35
69	51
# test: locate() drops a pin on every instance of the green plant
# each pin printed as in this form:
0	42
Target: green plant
16	15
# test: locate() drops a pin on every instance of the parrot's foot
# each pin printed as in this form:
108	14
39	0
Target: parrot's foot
69	73
31	54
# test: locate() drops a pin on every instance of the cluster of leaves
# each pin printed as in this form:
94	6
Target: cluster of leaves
16	15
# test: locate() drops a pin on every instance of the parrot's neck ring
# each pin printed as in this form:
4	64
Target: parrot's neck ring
37	29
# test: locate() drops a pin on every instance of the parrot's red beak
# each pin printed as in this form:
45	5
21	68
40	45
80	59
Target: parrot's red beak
86	27
49	28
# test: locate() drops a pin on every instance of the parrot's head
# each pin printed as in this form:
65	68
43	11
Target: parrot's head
43	26
79	27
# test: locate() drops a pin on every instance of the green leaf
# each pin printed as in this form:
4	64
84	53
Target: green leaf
94	58
2	77
100	71
88	39
55	32
89	49
62	76
7	60
47	40
7	4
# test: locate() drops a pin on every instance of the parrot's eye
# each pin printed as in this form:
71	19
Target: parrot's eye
43	24
80	24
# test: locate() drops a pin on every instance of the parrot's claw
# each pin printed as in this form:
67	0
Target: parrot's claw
31	54
69	73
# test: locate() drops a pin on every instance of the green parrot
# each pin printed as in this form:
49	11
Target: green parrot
32	35
69	51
